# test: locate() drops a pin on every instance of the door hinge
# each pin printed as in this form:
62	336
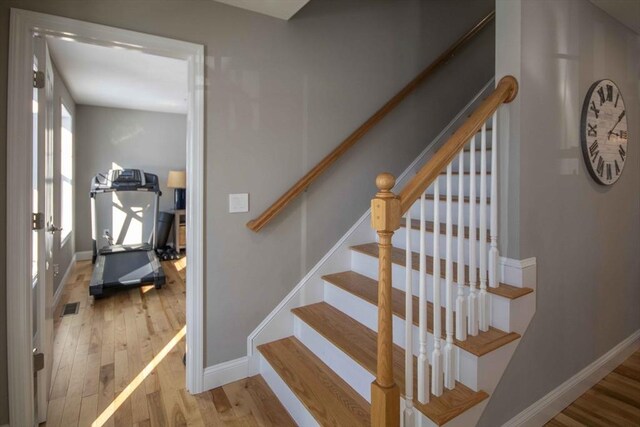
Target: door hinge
38	79
37	221
38	361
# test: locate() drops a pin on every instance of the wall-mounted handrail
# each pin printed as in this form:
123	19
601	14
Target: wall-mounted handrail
505	92
303	183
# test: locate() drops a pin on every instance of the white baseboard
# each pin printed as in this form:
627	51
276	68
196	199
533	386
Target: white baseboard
63	282
84	255
226	372
562	396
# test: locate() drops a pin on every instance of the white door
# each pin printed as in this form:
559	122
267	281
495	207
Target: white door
42	239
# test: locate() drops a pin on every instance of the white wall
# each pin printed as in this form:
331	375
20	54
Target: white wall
151	141
586	237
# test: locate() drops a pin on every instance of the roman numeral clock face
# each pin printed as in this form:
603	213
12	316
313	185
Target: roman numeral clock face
604	132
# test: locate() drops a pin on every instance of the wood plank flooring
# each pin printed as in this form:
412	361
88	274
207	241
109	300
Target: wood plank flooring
614	401
101	352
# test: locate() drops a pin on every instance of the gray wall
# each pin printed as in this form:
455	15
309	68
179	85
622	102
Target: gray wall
62	255
586	237
281	95
153	142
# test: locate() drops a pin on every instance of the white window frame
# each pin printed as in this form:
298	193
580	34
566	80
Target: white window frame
66	233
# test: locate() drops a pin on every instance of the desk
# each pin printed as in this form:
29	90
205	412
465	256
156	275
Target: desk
180	229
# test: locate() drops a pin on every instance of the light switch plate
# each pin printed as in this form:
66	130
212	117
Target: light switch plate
239	203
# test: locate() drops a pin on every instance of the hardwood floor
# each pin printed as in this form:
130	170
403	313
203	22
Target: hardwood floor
118	362
614	401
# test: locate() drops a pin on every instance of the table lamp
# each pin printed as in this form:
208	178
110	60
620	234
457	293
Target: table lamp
178	181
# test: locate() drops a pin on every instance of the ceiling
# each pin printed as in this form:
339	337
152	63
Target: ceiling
625	11
283	9
120	78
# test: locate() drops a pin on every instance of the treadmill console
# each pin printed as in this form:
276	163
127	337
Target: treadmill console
124	180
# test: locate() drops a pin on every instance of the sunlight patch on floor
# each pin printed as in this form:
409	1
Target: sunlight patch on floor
129	389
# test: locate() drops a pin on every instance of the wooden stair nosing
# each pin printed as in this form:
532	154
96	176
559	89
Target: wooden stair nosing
367	289
360	343
398	257
415	225
326	396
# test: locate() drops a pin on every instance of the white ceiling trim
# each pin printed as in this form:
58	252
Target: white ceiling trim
283	9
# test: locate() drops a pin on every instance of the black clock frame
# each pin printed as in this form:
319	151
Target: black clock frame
583	135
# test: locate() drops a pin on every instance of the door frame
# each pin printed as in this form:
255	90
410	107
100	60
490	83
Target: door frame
23	25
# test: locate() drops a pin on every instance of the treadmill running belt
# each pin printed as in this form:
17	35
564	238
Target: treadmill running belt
127	267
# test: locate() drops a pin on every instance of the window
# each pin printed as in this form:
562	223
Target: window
66	173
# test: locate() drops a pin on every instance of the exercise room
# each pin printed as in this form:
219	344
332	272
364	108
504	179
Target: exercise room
120	251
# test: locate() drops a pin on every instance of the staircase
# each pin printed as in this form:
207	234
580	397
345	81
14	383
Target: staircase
335	351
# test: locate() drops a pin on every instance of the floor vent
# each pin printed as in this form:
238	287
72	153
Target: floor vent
70	308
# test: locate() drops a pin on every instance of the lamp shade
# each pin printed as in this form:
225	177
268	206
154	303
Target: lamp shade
177	179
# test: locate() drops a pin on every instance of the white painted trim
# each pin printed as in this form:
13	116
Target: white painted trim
19	317
226	372
63	283
310	275
84	256
300	285
518	263
554	402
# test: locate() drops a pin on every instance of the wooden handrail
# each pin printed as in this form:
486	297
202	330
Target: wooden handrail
258	223
505	92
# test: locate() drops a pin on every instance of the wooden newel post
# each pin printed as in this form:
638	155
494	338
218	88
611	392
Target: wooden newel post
385	219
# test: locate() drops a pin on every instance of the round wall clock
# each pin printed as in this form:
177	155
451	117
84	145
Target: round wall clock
604	132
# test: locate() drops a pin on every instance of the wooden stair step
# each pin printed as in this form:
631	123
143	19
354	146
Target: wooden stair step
415	225
360	343
367	289
328	397
398	257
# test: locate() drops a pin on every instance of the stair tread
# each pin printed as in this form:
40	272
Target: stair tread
415	225
360	343
366	288
454	198
398	257
328	397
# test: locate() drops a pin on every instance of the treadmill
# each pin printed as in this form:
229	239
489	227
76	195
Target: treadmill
124	266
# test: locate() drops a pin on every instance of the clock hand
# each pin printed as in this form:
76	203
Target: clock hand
618	122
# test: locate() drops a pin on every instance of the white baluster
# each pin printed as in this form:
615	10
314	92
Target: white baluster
423	360
461	309
483	311
449	371
436	358
409	417
473	274
493	251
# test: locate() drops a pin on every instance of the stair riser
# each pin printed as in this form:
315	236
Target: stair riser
466	182
352	372
348	369
367	314
399	239
296	409
442	206
499	307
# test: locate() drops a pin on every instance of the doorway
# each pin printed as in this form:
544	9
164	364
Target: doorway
22	313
